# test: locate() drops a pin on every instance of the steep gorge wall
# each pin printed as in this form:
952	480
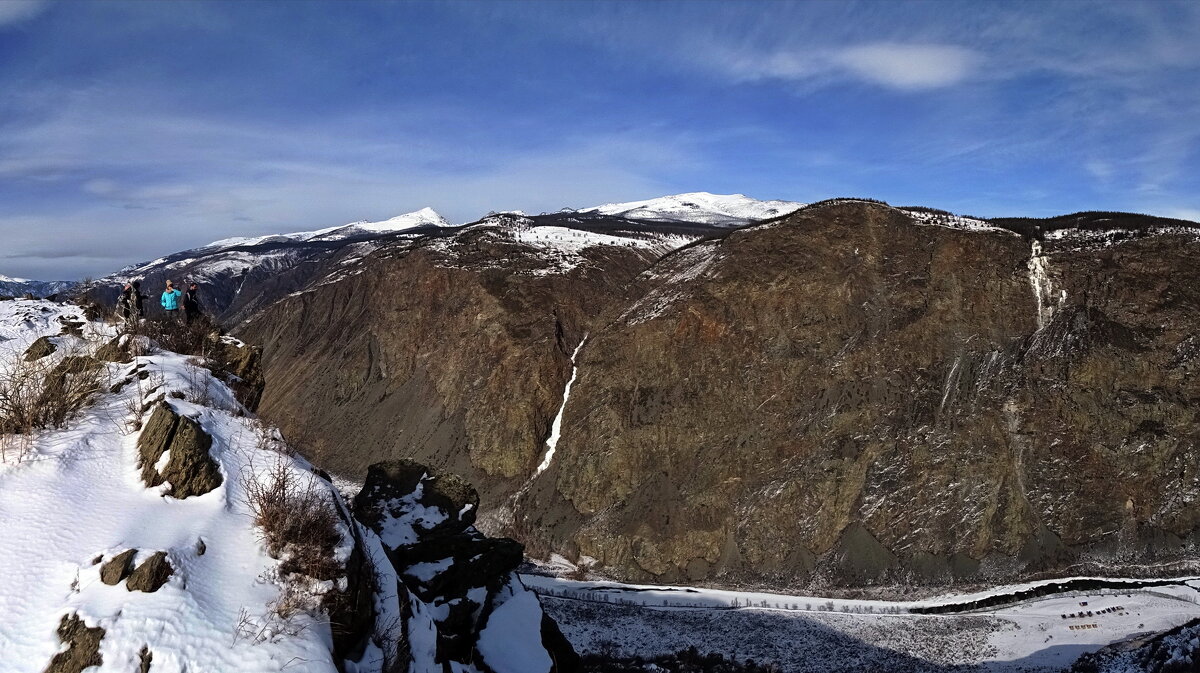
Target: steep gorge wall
455	358
846	397
842	396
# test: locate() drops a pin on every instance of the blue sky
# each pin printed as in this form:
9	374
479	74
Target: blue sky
130	130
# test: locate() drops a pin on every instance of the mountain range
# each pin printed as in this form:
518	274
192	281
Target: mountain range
20	287
903	395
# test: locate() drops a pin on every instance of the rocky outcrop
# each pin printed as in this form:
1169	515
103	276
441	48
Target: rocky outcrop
83	646
239	366
115	350
118	567
150	574
463	605
40	349
189	469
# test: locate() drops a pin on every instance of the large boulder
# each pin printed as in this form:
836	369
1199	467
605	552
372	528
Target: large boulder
190	469
118	567
151	574
393	487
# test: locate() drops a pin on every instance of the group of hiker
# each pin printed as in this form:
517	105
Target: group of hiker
176	304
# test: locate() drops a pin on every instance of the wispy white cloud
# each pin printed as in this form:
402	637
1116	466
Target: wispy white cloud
893	65
16	11
909	66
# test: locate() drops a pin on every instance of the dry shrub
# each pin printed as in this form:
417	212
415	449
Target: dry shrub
180	337
197	379
41	394
299	523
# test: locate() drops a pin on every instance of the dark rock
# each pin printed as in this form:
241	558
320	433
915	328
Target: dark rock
189	469
118	567
116	350
145	657
151	574
72	327
240	367
390	481
83	646
448	560
40	349
562	654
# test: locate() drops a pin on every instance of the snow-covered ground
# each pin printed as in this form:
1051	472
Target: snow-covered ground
807	633
951	221
23	321
699	207
77	496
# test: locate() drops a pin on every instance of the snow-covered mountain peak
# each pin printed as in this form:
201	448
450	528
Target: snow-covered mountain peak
9	279
417	218
700	207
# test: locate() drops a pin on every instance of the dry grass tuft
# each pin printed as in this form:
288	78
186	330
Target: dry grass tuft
37	394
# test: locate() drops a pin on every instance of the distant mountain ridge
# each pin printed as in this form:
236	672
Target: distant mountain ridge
19	287
699	207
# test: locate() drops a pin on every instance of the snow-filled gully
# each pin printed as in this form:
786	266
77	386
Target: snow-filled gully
1043	289
556	426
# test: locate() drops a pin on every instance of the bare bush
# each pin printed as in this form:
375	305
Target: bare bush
146	382
41	394
299	523
197	379
178	336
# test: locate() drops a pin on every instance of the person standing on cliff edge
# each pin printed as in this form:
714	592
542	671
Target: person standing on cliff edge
191	303
170	301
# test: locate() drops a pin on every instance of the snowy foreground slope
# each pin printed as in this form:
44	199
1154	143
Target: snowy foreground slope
105	573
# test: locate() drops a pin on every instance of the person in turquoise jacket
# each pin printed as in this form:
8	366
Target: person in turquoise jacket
170	300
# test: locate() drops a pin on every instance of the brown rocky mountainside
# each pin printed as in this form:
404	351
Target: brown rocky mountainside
453	352
841	396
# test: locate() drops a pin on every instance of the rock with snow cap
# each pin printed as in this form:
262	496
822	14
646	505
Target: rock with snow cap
460	585
189	469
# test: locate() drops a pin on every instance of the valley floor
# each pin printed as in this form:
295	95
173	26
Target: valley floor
801	634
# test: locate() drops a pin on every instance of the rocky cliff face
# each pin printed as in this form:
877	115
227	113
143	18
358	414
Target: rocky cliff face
851	394
453	352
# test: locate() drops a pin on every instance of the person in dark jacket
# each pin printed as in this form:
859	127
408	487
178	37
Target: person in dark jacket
138	299
170	301
126	304
129	304
191	303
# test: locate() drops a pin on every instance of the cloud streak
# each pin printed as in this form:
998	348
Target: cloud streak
13	12
897	66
